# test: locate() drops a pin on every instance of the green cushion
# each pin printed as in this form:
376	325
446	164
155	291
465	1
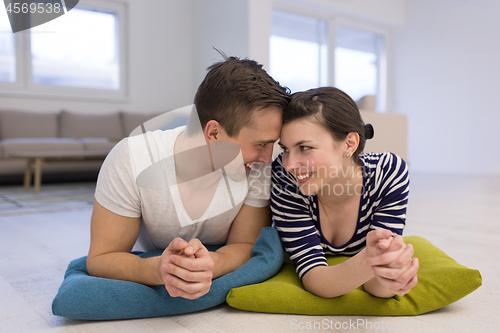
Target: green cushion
441	281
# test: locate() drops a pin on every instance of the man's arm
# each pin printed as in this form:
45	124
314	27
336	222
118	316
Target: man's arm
112	237
244	231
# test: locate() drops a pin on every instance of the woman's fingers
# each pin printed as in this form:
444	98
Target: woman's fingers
375	236
404	259
402	284
413	282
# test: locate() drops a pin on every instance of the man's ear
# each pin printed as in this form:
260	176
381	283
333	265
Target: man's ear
212	131
351	142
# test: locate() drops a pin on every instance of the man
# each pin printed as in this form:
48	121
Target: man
237	104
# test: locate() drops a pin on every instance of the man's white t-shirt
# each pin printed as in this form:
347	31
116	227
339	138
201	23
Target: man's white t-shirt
157	199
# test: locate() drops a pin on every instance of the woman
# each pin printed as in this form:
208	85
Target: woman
329	198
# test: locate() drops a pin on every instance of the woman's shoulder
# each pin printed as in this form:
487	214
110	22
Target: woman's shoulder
278	160
385	160
278	170
384	166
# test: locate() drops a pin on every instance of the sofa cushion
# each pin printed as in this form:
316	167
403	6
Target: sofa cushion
18	124
131	121
39	144
164	121
98	143
80	126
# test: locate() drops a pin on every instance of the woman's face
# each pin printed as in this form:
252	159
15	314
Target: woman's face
313	157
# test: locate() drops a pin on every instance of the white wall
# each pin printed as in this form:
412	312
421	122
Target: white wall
447	80
159	63
222	24
259	30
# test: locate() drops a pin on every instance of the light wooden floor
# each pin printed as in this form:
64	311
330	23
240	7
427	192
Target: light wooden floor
460	215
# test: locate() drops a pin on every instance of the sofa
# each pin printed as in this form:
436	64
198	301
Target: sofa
69	131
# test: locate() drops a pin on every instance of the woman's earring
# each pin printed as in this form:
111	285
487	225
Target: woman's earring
347	154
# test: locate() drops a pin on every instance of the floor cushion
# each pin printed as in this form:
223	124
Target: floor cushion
86	297
441	281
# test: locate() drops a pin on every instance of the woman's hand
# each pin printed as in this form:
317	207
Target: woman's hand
391	261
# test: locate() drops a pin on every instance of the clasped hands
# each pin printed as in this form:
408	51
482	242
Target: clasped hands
186	268
391	261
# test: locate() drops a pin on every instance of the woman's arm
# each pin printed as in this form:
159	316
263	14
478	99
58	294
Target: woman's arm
333	281
400	275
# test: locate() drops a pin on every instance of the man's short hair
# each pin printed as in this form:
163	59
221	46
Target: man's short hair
232	89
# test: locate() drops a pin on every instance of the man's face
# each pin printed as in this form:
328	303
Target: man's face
257	139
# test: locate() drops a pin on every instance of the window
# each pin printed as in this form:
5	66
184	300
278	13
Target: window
71	56
300	58
298	51
7	50
359	57
79	54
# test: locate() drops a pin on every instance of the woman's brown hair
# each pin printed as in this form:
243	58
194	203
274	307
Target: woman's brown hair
334	110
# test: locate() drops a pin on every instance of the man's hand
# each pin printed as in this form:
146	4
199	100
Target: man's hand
186	269
391	261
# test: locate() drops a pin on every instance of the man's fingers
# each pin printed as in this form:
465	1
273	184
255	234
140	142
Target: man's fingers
188	287
204	263
179	288
178	244
186	275
203	253
176	292
202	260
193	246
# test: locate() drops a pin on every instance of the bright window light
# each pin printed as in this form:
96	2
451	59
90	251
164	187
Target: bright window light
359	64
7	50
298	51
356	72
79	49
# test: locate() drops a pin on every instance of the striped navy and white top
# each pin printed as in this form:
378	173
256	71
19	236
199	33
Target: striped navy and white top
296	216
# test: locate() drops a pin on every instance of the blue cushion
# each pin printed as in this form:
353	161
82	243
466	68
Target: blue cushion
82	296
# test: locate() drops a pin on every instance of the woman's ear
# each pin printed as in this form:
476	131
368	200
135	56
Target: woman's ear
212	131
351	143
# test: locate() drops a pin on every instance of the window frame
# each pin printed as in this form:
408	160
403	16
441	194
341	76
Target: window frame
333	21
25	87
